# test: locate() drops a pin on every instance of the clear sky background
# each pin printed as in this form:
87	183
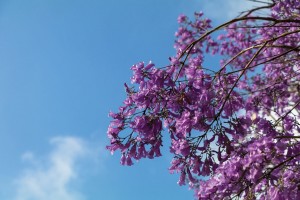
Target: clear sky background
62	68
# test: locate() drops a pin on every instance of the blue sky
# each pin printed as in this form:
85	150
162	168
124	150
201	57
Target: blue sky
62	68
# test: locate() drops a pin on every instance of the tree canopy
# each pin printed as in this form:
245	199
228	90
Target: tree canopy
234	127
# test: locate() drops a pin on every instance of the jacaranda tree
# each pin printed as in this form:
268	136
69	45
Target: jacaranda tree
234	128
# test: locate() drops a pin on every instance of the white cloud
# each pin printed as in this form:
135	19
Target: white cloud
52	179
223	10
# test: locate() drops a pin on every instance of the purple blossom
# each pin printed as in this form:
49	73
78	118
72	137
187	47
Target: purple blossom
235	129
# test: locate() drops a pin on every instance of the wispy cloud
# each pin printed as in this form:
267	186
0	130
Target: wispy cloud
226	10
52	178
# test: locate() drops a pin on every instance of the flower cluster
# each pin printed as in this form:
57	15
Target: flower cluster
234	128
